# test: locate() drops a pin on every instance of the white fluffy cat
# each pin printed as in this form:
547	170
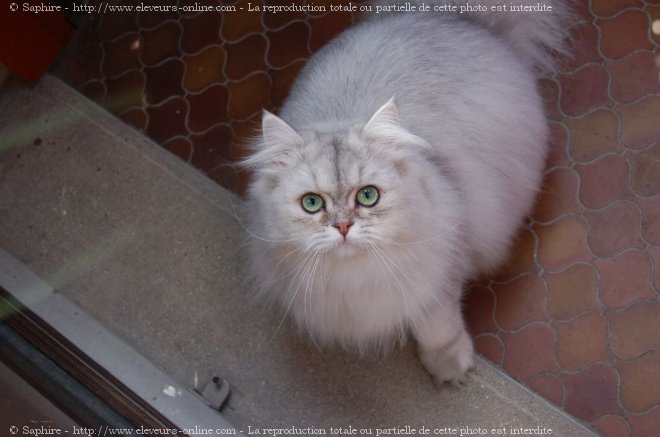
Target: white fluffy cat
404	160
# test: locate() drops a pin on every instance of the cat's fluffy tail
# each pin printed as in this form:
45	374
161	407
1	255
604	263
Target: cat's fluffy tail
538	36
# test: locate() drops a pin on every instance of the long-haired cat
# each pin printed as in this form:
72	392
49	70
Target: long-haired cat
404	160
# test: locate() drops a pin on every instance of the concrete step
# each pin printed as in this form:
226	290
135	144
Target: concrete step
148	246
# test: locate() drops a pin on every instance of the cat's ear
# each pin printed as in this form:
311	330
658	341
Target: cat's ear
278	141
277	133
388	114
385	127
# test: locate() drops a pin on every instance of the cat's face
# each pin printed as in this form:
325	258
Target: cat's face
339	193
338	197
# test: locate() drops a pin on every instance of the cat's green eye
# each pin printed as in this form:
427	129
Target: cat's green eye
367	196
311	202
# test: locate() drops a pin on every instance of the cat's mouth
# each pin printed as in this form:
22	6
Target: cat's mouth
346	247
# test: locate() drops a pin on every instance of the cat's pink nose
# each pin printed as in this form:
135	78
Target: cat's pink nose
343	227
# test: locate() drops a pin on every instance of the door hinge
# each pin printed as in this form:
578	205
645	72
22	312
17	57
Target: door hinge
214	393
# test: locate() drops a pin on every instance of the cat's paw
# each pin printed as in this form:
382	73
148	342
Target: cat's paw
449	365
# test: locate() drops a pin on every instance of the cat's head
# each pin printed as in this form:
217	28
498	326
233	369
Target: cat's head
340	192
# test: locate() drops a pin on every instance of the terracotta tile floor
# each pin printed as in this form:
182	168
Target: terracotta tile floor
575	315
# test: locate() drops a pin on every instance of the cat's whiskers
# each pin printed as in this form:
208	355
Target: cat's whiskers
287	272
304	272
302	268
309	248
407	276
386	262
393	265
310	281
386	240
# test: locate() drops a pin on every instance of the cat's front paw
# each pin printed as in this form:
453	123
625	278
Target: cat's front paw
450	364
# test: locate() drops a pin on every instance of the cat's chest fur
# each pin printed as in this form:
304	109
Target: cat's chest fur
360	299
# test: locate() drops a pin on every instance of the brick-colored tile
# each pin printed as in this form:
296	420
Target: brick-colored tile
624	33
167	120
200	31
95	91
181	147
249	96
245	56
614	229
558	195
645	424
625	279
288	44
582	11
572	292
651	219
612	426
479	307
593	135
562	243
530	351
634	77
212	149
121	55
558	153
654	13
520	302
115	25
583	45
160	43
135	117
204	69
282	81
125	91
163	81
654	252
241	23
549	386
521	259
634	330
227	175
549	90
608	8
581	341
640	382
603	181
244	131
639	122
645	178
207	108
491	347
592	392
584	89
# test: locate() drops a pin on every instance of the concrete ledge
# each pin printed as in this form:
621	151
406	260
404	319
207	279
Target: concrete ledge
148	246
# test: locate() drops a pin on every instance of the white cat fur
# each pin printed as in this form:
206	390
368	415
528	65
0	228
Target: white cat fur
442	115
